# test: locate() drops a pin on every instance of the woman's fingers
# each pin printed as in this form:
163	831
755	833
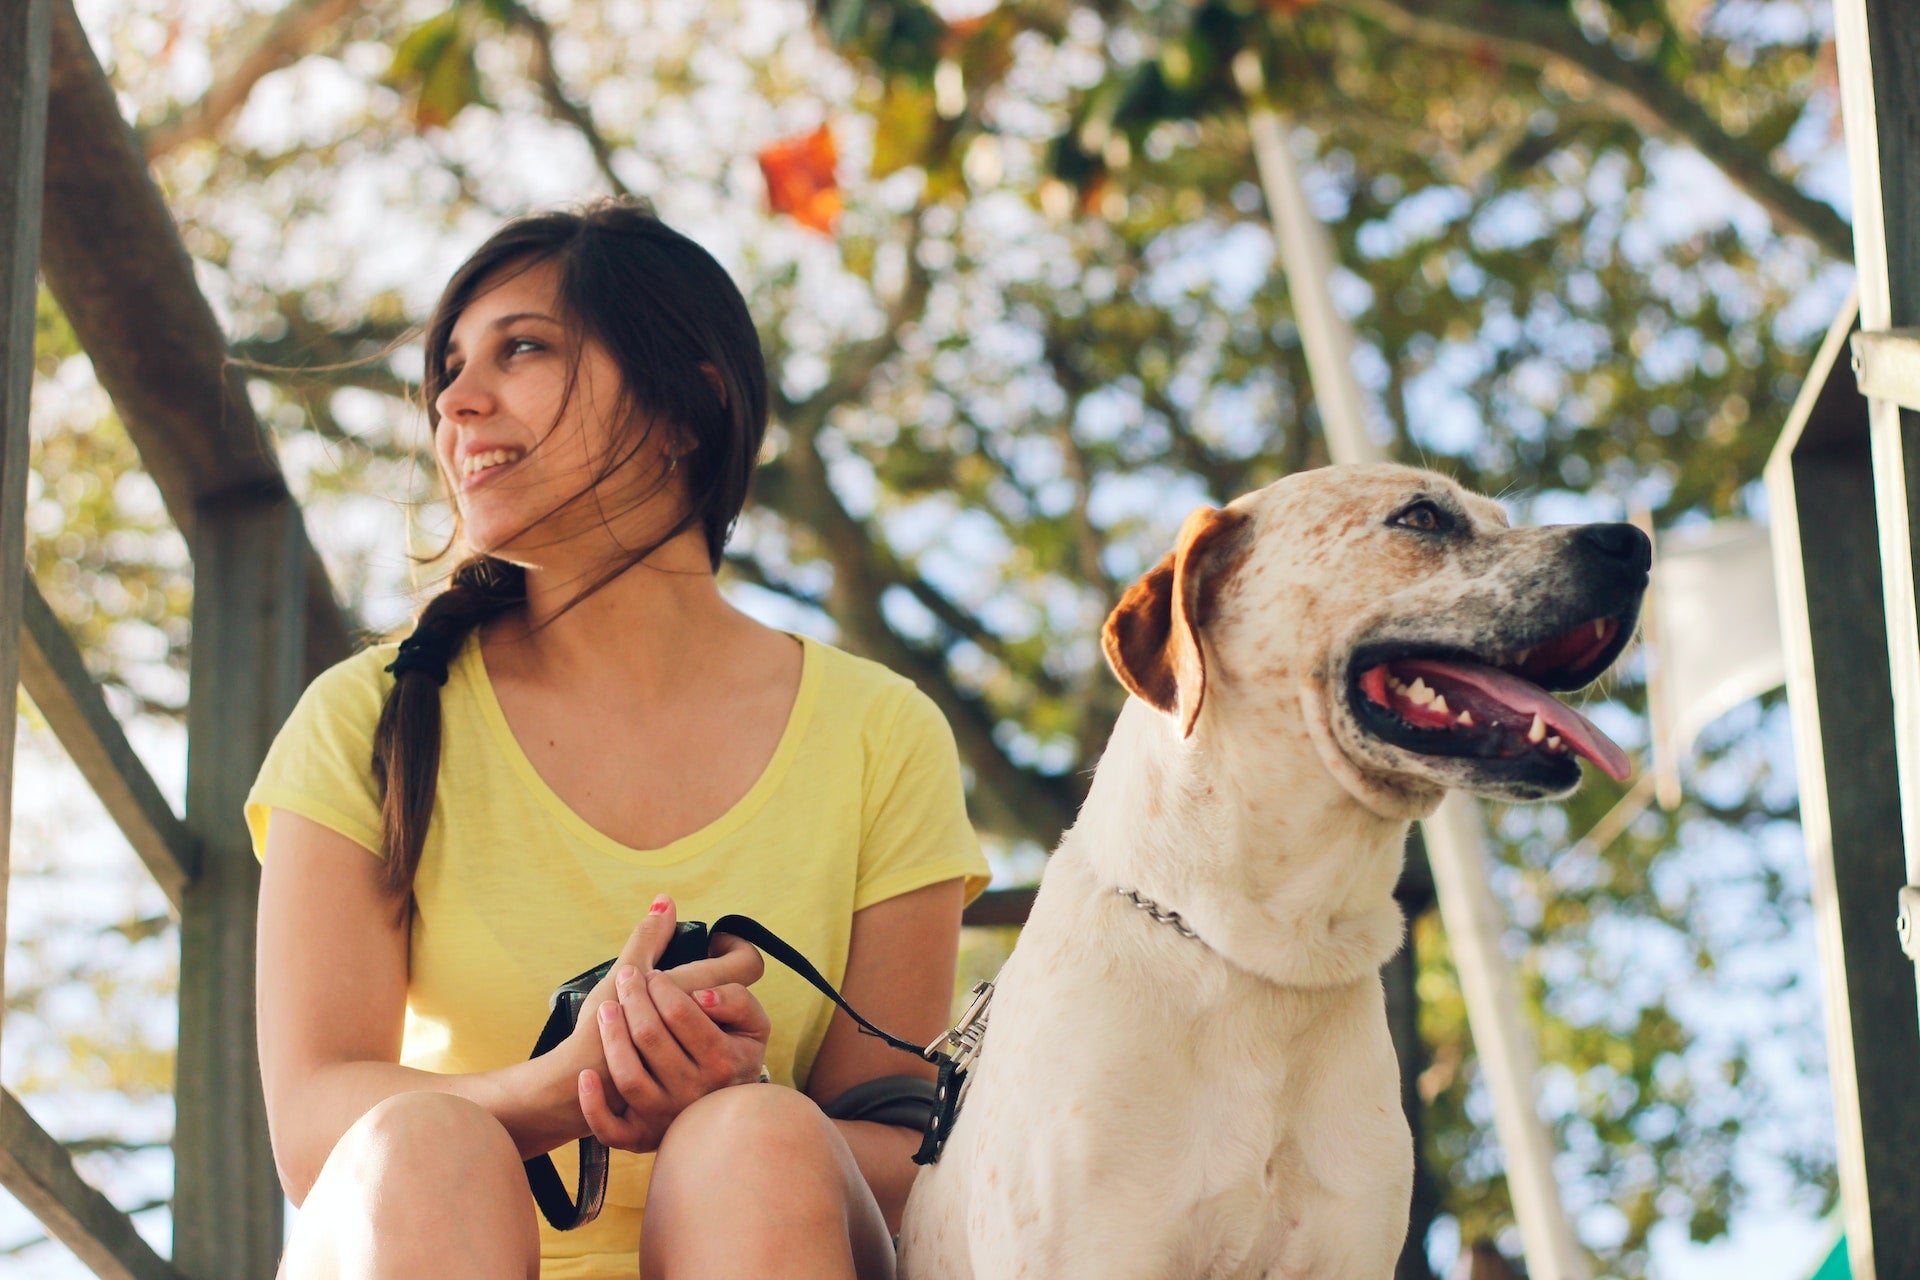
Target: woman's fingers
666	1059
708	1054
733	1007
638	1088
625	1133
744	963
649	939
729	959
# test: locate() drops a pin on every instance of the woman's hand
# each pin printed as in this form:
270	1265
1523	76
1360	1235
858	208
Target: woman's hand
731	965
664	1048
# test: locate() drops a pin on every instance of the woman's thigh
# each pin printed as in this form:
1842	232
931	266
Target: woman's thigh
755	1175
423	1184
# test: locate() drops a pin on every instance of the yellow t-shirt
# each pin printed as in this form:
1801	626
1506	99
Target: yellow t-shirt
515	893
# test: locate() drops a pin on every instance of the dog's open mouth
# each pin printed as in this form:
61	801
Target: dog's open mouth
1494	707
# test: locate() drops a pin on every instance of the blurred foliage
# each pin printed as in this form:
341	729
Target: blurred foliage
1047	325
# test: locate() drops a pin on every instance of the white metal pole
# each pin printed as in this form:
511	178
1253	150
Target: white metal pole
1456	833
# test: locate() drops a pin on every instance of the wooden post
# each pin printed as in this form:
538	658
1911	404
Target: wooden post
1455	836
24	35
1866	735
247	670
1877	43
1820	483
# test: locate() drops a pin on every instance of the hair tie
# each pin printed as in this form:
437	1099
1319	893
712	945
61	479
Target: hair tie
427	649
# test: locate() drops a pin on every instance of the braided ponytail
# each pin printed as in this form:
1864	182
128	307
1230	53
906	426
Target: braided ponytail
406	744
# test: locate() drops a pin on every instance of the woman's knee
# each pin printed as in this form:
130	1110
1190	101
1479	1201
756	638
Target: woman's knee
781	1127
419	1172
419	1149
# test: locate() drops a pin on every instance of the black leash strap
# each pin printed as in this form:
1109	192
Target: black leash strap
953	1053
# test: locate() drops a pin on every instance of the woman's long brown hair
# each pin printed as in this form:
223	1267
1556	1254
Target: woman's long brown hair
689	359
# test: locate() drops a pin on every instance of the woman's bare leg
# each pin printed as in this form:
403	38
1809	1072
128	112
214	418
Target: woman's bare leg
752	1183
425	1184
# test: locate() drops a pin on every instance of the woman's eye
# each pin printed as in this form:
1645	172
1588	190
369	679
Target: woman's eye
513	345
1423	517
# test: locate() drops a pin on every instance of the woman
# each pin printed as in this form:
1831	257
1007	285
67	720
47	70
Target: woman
582	734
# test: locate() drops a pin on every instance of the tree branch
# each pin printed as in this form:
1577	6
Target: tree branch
289	35
1637	92
749	569
546	74
1009	797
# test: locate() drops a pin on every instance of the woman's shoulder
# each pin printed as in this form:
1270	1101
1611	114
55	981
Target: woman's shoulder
357	680
855	688
886	712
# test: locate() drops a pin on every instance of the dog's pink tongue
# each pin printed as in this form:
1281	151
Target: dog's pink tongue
1527	700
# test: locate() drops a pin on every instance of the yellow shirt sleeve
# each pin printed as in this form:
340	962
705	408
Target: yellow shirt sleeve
320	765
914	817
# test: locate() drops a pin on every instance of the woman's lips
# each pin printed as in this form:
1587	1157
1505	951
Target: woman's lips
472	479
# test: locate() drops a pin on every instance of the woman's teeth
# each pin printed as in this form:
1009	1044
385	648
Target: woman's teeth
475	463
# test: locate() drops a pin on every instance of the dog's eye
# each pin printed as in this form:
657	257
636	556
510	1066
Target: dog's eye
1424	517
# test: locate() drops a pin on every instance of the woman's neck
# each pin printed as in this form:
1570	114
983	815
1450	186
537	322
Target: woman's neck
638	635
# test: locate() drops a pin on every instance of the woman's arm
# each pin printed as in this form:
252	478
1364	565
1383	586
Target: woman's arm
900	965
330	999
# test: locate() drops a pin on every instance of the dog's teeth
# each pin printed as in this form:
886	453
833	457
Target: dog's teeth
1419	692
1554	743
1538	731
1521	659
1466	718
1439	704
1599	628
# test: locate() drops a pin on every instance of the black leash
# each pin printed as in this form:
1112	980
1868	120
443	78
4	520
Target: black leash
953	1053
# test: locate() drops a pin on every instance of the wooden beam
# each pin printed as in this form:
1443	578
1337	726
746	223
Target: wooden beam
247	671
1877	45
116	265
56	678
40	1174
999	907
1820	485
1887	366
24	43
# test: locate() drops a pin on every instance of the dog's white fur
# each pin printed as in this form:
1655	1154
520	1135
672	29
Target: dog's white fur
1150	1105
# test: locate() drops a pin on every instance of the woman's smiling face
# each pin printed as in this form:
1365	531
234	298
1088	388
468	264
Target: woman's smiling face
518	451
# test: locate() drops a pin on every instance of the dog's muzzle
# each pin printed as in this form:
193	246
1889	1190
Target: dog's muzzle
1483	690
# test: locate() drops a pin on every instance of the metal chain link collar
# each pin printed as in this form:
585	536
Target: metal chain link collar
1160	913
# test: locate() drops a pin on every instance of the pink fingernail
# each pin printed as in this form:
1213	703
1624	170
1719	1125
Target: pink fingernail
660	904
609	1011
707	998
626	973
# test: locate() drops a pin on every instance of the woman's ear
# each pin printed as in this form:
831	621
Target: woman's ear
1152	638
713	377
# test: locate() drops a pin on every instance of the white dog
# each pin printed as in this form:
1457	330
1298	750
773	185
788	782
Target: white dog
1187	1071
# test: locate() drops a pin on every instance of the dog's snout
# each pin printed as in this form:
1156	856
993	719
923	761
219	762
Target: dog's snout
1622	544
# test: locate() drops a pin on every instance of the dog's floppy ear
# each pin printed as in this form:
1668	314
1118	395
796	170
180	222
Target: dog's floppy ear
1152	638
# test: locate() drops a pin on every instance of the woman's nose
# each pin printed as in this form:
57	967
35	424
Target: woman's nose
466	396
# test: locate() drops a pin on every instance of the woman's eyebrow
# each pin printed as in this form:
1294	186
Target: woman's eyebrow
453	344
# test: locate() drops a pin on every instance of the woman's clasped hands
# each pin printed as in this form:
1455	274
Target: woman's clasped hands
657	1040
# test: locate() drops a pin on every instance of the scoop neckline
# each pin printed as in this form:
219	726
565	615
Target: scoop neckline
474	665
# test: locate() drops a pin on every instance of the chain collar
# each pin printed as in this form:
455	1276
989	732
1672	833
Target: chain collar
1160	913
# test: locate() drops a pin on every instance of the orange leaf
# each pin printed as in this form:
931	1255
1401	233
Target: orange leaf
800	181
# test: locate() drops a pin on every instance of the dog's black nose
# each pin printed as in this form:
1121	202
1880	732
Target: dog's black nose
1621	543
